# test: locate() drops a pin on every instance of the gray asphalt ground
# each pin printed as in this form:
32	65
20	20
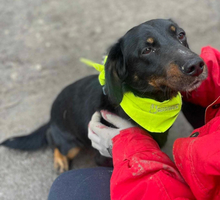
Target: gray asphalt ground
41	42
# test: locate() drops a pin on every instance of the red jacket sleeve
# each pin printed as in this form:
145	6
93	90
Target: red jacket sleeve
198	160
143	171
209	90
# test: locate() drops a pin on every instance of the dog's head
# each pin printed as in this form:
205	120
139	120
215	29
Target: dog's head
153	60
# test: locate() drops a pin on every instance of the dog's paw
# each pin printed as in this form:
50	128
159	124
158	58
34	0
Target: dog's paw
61	163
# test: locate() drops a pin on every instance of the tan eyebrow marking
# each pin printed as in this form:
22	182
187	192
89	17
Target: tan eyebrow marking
150	40
173	28
135	77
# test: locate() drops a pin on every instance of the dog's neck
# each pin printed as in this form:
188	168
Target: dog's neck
158	95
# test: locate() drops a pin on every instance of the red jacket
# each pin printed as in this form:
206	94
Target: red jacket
142	171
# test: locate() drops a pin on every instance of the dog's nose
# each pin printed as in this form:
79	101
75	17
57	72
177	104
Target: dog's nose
194	68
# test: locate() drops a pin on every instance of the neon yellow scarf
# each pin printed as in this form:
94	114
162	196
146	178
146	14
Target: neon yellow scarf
152	115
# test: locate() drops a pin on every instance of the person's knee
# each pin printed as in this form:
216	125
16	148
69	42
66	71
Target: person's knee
82	184
59	188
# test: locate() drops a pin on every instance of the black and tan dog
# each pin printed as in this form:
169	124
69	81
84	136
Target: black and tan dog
151	60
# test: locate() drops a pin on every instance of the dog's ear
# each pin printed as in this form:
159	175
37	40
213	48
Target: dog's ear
115	73
172	20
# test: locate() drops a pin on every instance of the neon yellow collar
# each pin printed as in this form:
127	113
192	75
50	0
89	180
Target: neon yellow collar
98	67
152	115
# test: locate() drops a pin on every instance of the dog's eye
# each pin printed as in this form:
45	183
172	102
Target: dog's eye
181	36
146	50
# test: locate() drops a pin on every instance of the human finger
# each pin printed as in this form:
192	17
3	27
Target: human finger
92	136
115	119
96	117
102	130
96	146
104	152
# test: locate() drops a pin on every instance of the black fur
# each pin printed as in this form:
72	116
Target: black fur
156	70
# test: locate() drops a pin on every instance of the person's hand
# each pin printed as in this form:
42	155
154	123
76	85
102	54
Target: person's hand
101	135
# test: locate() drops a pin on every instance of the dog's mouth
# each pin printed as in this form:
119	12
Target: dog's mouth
195	84
177	81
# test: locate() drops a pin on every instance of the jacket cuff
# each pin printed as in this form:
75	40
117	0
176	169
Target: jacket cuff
131	141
